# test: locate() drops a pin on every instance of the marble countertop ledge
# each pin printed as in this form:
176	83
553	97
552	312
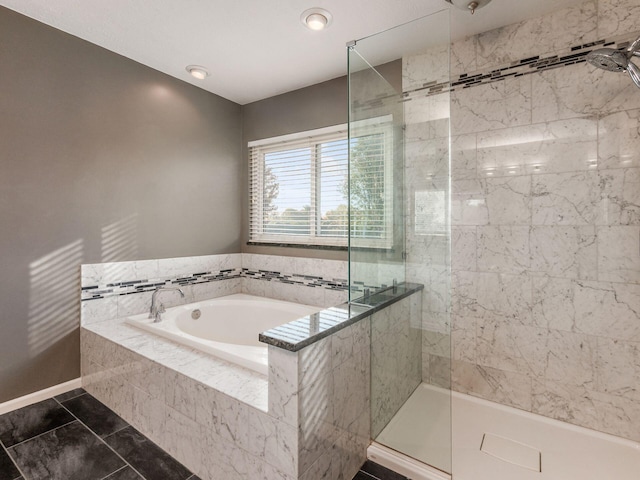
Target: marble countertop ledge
237	382
305	331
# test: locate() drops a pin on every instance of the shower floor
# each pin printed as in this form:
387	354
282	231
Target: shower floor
422	433
495	442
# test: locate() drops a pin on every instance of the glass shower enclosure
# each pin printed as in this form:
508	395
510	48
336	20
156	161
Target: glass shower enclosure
399	192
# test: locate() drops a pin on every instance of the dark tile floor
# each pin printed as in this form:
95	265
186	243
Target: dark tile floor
373	471
75	437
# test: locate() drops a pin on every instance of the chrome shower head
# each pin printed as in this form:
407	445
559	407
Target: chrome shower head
617	60
608	59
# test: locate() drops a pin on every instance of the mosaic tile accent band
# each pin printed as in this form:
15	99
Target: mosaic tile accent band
525	66
518	68
297	279
94	292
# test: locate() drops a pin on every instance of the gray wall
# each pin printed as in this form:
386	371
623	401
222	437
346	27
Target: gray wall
317	106
101	159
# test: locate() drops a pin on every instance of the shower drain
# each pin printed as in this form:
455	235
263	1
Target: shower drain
512	452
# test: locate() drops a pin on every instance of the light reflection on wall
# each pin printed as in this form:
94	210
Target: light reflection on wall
430	212
314	400
54	308
120	239
536	149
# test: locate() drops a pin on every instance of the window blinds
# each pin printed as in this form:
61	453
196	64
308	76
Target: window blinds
299	188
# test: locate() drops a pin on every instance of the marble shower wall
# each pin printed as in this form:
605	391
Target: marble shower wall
427	119
396	359
545	212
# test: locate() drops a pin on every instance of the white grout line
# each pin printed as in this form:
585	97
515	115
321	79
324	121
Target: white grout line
104	442
13	461
43	433
368	474
101	440
119	470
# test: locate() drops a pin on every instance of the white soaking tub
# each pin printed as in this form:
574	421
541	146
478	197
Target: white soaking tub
227	328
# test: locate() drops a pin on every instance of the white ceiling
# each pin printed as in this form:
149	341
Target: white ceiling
254	49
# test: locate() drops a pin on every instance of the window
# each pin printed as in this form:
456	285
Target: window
299	187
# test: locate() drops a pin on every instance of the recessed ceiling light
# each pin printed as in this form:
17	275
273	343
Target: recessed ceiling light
197	71
316	18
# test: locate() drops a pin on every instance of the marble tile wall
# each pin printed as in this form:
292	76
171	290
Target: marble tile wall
310	419
215	433
111	290
396	359
545	233
312	281
329	403
428	238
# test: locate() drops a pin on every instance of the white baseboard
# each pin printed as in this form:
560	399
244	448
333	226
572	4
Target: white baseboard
40	395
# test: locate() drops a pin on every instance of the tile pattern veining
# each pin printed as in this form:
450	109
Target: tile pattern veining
217	417
518	68
93	292
73	436
120	289
545	223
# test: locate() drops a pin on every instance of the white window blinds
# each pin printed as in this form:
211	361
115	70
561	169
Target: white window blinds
299	188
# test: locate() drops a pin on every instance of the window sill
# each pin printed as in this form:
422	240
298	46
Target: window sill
342	248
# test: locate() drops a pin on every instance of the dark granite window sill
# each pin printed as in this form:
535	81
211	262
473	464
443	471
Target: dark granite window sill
299	245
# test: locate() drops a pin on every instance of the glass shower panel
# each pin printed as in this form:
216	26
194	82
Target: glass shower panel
376	179
400	78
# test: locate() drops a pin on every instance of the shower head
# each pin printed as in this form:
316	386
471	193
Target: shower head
608	59
617	60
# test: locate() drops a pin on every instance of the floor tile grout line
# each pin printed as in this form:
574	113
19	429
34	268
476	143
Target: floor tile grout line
70	398
6	451
100	439
120	429
113	433
105	443
369	475
41	434
113	473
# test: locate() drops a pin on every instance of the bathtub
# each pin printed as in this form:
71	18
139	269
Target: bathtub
228	327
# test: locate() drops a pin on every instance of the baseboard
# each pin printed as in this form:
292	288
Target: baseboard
40	395
402	464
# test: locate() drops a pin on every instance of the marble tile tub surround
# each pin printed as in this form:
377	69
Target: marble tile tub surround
111	290
309	419
545	239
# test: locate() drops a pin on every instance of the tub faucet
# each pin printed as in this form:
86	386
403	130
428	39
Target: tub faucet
157	309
